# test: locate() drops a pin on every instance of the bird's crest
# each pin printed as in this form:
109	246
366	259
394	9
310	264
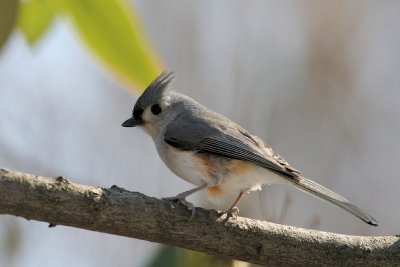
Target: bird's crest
155	91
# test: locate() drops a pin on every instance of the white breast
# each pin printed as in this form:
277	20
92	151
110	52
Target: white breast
184	164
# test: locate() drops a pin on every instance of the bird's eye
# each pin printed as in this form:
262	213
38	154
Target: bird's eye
156	109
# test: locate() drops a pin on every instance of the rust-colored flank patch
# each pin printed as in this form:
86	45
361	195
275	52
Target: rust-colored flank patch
215	191
239	167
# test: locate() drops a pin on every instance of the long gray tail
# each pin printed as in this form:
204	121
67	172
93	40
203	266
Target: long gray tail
323	193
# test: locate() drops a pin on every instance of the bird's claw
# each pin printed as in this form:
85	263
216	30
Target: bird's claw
183	201
230	213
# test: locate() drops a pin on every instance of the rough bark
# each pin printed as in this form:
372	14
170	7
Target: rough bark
118	211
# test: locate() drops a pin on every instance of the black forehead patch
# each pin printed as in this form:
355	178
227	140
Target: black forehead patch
137	113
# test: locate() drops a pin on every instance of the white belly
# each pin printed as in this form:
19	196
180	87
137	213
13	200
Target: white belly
250	180
224	176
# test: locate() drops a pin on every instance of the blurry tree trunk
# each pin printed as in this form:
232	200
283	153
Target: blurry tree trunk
117	211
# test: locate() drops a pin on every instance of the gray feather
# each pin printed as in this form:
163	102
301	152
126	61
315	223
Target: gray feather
207	132
325	194
155	91
199	129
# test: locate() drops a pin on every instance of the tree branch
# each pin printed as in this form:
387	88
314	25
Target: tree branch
118	211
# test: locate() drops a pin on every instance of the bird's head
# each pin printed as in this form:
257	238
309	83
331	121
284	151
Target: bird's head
152	106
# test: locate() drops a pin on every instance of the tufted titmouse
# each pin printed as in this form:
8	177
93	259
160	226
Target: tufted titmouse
214	153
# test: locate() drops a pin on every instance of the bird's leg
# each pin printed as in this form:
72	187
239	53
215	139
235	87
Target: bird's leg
182	199
233	211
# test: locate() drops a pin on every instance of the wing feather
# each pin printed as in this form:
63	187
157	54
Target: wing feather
206	138
220	136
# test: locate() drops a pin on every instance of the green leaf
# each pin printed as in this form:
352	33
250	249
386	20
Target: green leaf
169	256
35	17
112	30
8	15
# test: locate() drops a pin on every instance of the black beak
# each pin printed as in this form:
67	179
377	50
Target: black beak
132	122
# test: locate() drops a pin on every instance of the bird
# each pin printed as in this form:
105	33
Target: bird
214	153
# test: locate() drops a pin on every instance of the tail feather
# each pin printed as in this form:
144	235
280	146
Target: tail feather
323	193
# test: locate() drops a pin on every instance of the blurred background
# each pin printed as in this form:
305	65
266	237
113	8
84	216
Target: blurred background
318	80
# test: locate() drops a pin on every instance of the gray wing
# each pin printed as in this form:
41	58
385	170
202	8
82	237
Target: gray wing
222	137
231	142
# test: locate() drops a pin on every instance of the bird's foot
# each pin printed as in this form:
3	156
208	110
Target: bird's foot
181	199
230	213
